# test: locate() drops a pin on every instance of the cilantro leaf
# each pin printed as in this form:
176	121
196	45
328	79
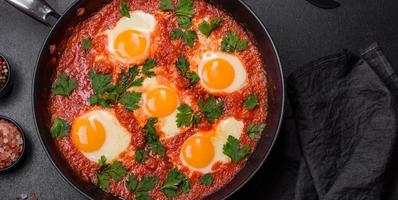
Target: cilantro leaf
124	9
183	66
186	116
184	22
60	128
232	150
130	100
64	85
206	28
117	171
211	109
254	131
103	181
152	137
140	155
148	65
175	183
185	8
251	101
187	37
232	43
132	183
166	5
86	44
102	161
206	179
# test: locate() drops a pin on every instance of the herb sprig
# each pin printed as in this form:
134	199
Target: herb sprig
211	109
232	43
64	85
152	137
186	116
233	150
254	131
206	179
206	28
107	172
182	65
60	128
86	44
175	183
188	37
251	101
124	9
141	188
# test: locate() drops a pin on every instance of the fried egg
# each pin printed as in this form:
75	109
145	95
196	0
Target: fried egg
160	101
221	72
130	40
204	150
97	133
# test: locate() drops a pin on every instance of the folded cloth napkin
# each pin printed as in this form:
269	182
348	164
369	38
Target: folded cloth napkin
346	118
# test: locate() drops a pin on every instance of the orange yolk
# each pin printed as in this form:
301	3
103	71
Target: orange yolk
218	74
130	44
161	102
88	135
198	150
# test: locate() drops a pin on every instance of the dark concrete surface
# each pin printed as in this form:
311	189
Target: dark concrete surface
301	32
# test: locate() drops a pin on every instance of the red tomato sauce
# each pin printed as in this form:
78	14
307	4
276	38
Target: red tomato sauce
77	63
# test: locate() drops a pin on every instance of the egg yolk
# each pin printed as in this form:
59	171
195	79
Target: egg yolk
218	74
130	44
88	135
198	151
161	102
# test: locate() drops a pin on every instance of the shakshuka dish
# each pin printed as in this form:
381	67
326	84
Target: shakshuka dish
158	99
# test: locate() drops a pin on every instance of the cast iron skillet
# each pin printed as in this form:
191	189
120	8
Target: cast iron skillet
61	27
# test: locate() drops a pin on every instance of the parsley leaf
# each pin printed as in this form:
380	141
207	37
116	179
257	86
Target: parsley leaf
232	150
185	8
132	183
206	28
103	181
211	109
147	184
101	82
254	131
184	22
183	66
130	100
231	43
124	9
102	161
166	5
140	155
60	128
148	65
141	189
64	85
187	37
107	172
186	116
206	179
152	137
175	183
86	44
117	171
251	101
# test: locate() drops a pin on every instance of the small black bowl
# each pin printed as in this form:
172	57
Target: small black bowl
16	163
7	87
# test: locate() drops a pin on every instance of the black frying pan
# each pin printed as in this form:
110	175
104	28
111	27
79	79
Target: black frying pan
60	28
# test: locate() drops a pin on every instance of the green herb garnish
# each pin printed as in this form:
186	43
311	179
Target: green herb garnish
86	44
103	89
186	116
166	5
206	179
182	65
175	184
106	172
148	65
102	161
187	37
254	131
124	9
185	8
232	149
60	128
206	28
251	101
130	100
141	189
232	43
211	109
152	137
64	85
140	155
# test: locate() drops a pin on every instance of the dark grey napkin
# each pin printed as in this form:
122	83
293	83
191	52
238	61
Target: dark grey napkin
346	113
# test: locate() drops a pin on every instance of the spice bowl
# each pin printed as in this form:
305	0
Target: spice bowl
6	81
12	144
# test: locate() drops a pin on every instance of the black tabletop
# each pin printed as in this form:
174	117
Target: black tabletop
301	32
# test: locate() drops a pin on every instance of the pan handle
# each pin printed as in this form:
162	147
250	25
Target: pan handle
38	9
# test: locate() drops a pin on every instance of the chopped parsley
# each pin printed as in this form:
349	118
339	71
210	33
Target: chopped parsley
175	183
86	44
152	137
251	101
64	85
211	109
146	68
103	89
232	43
186	116
206	28
124	9
166	5
232	149
141	189
140	155
188	37
254	131
60	128
184	22
182	65
206	179
130	100
185	8
106	172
